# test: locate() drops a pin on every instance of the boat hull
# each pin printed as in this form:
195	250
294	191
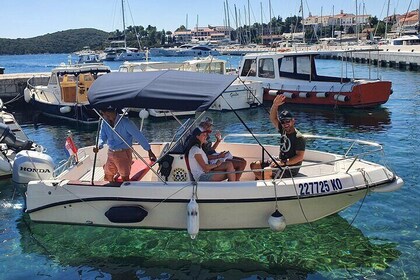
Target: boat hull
238	205
363	95
82	113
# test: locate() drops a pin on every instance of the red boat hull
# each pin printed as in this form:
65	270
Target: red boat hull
369	94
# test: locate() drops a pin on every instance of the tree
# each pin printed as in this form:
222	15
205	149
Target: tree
373	21
181	28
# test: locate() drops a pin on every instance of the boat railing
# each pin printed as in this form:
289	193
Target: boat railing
29	82
374	147
65	164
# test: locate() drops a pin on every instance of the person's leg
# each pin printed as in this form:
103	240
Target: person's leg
260	175
226	167
239	165
110	169
123	161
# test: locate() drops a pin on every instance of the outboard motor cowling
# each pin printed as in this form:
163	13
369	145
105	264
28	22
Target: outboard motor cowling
32	165
7	137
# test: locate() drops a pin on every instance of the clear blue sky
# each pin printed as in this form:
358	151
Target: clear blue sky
30	18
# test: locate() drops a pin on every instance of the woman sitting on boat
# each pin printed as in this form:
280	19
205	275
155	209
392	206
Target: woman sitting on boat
209	148
200	167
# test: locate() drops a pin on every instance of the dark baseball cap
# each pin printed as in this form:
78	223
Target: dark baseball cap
285	115
108	109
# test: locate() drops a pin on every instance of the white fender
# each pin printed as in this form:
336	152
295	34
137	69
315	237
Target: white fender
277	221
65	109
27	95
322	94
273	92
143	114
5	166
290	95
193	218
342	98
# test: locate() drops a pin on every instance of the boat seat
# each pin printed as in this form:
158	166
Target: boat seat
138	170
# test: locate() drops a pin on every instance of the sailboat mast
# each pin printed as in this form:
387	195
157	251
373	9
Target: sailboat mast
228	19
271	36
262	24
303	22
123	20
386	22
333	25
357	25
249	21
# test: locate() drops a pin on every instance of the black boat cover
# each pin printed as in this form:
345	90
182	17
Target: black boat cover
167	90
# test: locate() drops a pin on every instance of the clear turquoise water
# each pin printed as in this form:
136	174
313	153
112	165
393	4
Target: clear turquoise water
383	242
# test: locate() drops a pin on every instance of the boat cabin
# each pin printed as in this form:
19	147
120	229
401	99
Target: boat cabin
73	82
299	66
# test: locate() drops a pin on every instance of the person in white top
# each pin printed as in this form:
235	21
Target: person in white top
200	167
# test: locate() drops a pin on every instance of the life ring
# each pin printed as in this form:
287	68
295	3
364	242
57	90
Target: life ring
283	50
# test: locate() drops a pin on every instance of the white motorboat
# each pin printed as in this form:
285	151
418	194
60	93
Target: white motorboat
165	197
185	50
66	94
295	75
14	142
87	56
239	95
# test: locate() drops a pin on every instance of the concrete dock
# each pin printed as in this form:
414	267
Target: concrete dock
402	57
12	85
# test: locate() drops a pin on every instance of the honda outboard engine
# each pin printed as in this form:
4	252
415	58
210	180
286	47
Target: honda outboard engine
7	137
32	165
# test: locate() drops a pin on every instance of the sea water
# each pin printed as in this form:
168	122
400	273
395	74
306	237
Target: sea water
377	238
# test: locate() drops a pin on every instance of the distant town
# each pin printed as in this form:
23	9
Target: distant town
315	27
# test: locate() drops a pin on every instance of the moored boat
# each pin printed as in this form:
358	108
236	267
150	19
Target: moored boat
327	182
66	94
295	75
239	95
13	142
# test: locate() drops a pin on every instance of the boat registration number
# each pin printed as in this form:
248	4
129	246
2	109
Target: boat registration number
320	186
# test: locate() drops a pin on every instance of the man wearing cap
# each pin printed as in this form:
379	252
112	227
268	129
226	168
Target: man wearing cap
119	153
292	143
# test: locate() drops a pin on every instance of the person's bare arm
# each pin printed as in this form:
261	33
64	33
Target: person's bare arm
206	167
277	102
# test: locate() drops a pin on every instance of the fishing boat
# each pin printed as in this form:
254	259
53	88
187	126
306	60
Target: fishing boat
12	142
239	95
162	194
65	95
295	75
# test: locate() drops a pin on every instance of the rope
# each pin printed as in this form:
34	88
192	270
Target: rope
182	188
17	97
31	234
364	174
297	195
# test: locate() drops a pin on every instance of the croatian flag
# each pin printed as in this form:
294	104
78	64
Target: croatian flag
70	147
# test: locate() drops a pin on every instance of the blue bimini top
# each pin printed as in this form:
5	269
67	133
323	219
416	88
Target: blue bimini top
165	90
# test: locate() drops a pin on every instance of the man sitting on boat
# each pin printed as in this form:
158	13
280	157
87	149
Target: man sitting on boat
209	148
199	164
292	144
119	150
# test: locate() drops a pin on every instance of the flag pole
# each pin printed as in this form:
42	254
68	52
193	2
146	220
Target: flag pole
96	154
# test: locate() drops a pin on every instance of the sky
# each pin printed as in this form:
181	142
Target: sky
31	18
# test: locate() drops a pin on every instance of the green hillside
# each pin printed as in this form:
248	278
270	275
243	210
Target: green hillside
59	42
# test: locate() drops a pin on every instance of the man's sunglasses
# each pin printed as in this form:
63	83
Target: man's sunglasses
285	121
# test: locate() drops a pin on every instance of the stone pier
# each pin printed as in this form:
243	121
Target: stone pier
12	85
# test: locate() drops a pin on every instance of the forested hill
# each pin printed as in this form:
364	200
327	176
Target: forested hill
59	42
